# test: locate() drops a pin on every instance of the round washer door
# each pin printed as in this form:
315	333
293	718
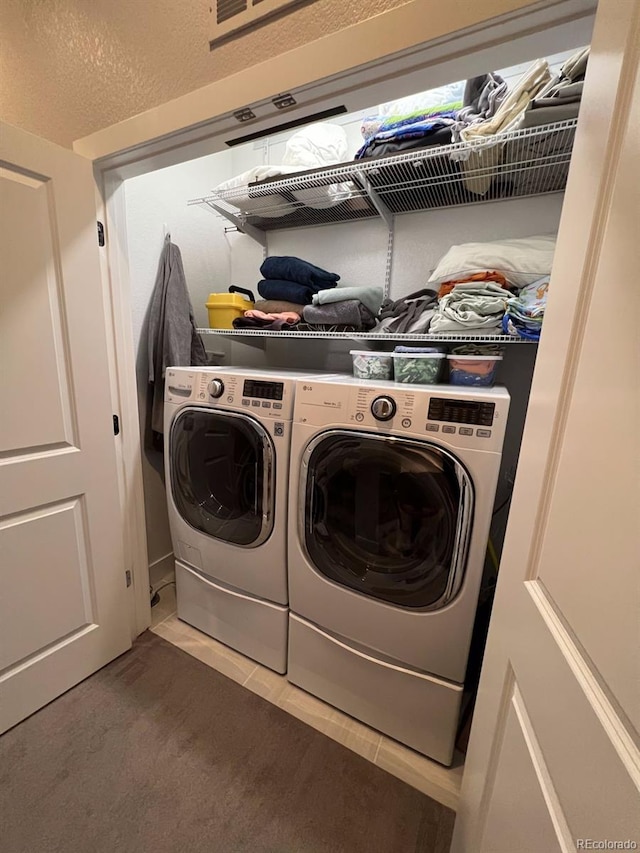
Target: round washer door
387	517
222	475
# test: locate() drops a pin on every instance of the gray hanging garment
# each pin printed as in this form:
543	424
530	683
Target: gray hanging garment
172	336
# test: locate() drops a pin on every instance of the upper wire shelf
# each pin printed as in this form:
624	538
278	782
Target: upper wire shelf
522	163
367	336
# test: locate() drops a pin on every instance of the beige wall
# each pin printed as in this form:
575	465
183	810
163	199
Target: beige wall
71	67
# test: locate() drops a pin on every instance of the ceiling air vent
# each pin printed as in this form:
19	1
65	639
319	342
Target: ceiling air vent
226	9
230	17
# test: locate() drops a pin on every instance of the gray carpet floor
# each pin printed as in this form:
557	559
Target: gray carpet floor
158	753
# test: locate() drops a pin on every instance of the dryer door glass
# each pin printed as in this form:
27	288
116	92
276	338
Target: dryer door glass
222	479
388	517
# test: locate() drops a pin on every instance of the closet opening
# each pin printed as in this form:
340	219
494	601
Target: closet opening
334	195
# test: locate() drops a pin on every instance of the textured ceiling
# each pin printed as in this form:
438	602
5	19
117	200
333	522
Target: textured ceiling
71	67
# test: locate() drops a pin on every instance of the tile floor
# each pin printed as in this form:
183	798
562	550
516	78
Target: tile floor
440	783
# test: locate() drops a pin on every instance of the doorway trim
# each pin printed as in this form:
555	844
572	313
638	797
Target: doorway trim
398	52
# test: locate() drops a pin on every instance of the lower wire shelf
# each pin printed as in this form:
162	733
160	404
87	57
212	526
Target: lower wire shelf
368	336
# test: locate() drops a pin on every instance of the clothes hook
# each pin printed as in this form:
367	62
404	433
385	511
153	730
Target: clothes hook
167	233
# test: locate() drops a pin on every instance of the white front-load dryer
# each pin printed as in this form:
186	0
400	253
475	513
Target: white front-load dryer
389	522
227	438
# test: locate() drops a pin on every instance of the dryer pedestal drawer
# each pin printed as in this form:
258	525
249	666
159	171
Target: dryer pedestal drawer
256	628
419	710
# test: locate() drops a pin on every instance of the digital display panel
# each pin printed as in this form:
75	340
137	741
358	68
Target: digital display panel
263	390
461	411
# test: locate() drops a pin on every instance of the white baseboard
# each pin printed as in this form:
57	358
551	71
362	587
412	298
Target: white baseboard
162	569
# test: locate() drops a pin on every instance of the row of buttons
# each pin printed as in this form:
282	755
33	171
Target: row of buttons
481	433
470	418
264	404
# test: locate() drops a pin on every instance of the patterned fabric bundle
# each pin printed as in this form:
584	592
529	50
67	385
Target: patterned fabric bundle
525	312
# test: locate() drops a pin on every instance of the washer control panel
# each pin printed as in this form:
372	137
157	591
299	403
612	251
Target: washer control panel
256	395
383	408
216	388
385	405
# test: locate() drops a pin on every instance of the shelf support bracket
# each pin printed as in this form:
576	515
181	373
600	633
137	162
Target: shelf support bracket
243	227
376	201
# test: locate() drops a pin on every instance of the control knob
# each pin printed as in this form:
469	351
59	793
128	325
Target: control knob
383	408
216	388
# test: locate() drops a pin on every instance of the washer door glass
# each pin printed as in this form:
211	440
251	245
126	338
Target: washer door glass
222	478
388	517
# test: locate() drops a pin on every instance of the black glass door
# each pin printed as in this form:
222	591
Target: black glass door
388	517
222	476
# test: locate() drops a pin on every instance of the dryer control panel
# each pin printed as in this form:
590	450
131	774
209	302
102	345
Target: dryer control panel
473	418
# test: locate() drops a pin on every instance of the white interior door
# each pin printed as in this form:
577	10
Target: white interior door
63	606
553	761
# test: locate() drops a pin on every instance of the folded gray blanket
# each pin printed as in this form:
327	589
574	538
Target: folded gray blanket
369	294
351	312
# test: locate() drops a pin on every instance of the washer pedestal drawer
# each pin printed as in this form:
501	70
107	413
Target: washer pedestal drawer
256	628
417	709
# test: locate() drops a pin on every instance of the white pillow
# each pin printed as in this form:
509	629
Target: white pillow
321	144
267	206
521	260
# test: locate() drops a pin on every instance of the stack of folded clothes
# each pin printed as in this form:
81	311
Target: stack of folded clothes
289	284
293	279
420	129
525	312
471	307
301	295
479	281
496	277
560	99
351	309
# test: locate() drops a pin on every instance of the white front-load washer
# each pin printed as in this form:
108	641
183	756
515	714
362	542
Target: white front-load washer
389	523
227	437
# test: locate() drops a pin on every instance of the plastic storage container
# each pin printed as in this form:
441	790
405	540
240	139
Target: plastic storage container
223	308
372	365
419	368
478	370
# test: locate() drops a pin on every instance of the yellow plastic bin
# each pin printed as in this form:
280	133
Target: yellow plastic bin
223	308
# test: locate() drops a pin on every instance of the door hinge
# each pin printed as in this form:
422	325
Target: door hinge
100	234
127	576
116	425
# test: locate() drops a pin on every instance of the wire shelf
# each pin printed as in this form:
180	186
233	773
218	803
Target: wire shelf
522	163
368	336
